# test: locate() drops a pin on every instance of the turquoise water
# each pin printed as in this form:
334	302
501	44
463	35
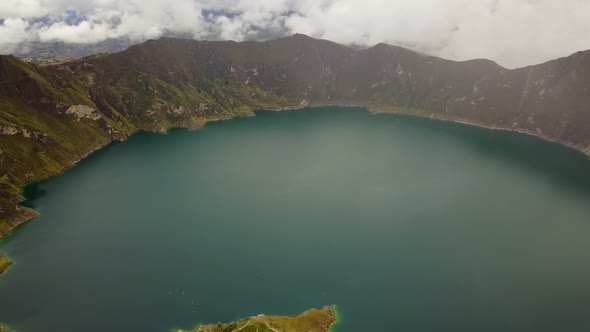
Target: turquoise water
405	224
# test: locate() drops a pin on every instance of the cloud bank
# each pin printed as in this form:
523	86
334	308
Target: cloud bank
512	32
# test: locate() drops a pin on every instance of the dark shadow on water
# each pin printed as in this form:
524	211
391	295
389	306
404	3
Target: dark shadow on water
561	164
35	190
551	160
32	192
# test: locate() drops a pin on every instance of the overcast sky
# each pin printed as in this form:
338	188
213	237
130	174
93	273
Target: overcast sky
511	32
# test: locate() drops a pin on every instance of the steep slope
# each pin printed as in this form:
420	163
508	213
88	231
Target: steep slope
549	100
53	115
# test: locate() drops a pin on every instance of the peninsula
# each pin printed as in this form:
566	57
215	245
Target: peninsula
313	320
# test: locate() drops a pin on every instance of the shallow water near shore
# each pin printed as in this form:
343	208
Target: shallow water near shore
406	224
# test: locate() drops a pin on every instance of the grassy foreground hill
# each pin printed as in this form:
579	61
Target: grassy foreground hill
51	116
313	320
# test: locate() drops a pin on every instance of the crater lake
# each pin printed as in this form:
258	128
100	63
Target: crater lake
406	224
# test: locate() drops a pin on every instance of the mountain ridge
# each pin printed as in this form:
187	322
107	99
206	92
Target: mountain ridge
53	115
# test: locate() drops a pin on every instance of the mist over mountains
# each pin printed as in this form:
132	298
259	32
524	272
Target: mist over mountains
512	33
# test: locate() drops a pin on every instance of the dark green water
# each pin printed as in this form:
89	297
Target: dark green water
406	224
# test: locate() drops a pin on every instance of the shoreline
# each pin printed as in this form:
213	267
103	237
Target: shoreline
584	151
337	318
416	113
371	109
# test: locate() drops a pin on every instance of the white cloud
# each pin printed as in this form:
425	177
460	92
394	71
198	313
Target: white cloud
12	31
514	33
83	32
23	8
